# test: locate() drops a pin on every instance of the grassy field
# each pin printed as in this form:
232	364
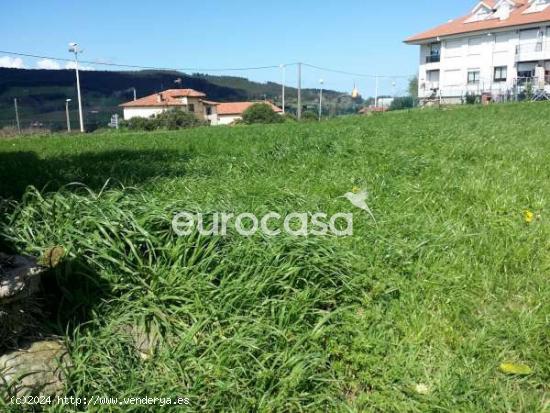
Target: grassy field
413	313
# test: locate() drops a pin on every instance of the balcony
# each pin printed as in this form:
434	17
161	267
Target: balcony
533	51
433	58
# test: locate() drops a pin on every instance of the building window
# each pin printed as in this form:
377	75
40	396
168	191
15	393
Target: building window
432	76
473	77
501	74
434	53
208	110
191	107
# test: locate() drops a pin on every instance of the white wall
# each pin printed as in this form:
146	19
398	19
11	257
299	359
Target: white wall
228	119
135	112
483	52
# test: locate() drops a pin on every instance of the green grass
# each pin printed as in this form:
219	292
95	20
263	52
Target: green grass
448	284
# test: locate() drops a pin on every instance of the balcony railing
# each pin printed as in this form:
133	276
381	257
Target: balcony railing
532	50
433	58
534	81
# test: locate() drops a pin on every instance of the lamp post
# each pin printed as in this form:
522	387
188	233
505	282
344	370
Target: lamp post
73	48
376	93
283	69
321	82
67	113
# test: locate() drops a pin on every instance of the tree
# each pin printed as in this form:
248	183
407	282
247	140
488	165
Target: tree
309	116
261	113
413	87
171	119
405	102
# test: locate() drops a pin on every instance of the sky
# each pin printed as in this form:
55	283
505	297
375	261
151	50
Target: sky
355	36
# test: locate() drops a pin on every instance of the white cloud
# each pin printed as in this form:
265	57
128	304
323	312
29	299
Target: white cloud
12	62
71	65
48	64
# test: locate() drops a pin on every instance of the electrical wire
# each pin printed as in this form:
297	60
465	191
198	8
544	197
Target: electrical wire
343	72
180	69
195	69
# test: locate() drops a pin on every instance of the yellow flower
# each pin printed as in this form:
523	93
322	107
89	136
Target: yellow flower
528	216
422	389
356	190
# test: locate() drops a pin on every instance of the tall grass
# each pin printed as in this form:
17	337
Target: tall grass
450	283
239	323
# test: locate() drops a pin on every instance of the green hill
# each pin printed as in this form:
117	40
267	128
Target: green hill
41	93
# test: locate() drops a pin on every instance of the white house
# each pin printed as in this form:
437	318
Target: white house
495	50
232	111
188	100
191	101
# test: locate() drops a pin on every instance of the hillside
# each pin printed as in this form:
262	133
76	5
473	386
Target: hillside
42	93
413	312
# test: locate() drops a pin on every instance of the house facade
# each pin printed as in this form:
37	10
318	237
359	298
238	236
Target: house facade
495	51
188	100
231	112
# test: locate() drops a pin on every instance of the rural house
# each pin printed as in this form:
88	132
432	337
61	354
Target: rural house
232	111
495	51
188	100
191	101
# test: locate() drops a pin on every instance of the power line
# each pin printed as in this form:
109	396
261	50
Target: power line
343	72
195	69
181	69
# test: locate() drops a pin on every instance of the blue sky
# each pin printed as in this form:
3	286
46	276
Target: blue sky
351	35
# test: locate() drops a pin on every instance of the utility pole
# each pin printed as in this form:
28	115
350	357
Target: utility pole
283	67
135	96
73	48
17	116
321	82
299	110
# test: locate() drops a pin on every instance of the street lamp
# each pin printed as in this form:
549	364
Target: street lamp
73	48
283	68
67	113
321	82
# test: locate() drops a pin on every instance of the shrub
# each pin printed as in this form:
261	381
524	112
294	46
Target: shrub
171	120
471	98
138	123
261	113
405	102
309	116
177	119
289	117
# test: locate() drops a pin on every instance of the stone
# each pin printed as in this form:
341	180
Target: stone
144	342
19	277
36	370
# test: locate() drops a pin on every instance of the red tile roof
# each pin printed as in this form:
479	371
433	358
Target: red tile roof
237	108
168	97
460	26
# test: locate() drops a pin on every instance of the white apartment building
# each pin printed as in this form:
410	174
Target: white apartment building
497	49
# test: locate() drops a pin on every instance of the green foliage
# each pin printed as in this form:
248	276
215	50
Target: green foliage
289	117
528	91
309	116
261	113
471	98
413	87
405	102
414	313
169	120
